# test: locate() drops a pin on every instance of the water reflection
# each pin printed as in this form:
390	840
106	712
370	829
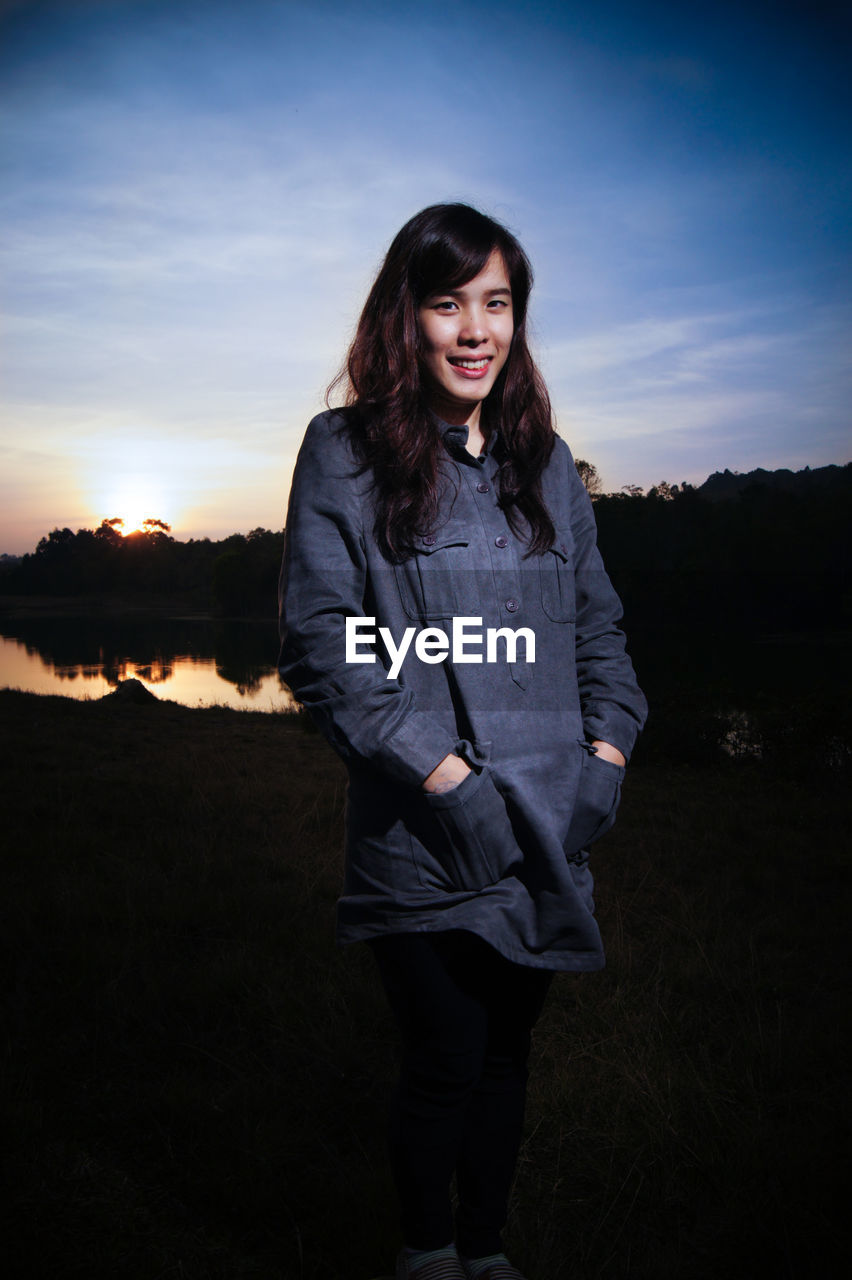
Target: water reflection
191	661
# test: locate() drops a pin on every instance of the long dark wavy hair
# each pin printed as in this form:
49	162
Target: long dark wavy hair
386	395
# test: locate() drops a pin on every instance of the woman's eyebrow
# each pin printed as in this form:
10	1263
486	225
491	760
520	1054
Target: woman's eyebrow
461	293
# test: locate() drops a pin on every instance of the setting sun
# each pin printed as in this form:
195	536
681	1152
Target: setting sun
134	501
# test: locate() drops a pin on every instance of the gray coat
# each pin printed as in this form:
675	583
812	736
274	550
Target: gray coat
504	854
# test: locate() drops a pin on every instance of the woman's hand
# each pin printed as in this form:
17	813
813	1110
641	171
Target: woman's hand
448	774
606	751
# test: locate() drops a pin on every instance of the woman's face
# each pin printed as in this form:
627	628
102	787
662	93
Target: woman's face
467	333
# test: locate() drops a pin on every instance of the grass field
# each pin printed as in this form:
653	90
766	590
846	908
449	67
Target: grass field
196	1076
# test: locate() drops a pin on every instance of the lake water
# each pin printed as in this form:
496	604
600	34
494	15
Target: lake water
193	661
205	662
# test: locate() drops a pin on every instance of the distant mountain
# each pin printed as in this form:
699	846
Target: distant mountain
727	484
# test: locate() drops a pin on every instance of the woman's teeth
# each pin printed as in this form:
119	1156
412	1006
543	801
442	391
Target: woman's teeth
469	364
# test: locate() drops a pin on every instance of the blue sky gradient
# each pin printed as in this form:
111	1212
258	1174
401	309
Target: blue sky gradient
195	197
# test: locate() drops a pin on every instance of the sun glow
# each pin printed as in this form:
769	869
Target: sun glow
135	501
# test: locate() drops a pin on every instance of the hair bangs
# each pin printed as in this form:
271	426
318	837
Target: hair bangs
452	255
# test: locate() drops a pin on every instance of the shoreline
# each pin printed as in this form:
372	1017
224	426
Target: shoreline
178	608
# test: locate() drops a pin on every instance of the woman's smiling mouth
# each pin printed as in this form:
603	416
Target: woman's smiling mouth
470	368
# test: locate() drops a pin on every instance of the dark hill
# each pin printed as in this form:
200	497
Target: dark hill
727	484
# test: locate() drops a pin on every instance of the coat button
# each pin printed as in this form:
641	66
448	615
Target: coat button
512	604
502	541
482	487
430	539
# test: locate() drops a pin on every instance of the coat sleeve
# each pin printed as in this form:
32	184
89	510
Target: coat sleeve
366	717
613	706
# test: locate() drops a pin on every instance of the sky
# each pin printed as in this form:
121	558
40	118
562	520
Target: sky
195	197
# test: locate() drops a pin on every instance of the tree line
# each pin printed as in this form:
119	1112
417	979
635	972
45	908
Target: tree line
761	550
766	549
235	575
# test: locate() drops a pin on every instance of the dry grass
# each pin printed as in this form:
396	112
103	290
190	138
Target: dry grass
196	1076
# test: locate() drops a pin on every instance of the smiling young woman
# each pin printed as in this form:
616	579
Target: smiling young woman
440	495
466	338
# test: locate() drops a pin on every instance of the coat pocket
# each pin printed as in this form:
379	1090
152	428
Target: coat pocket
556	570
429	580
480	844
598	796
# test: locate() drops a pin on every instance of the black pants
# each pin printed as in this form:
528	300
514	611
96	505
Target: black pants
465	1014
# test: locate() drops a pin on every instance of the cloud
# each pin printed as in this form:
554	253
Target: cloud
197	195
742	388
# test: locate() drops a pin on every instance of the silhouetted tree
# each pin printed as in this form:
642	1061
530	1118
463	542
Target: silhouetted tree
57	541
588	473
230	577
108	531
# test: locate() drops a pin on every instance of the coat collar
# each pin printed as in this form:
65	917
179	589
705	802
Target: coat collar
455	438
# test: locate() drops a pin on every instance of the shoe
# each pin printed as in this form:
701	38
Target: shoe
499	1270
438	1269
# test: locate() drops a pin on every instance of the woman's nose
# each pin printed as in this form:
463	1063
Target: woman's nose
472	329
